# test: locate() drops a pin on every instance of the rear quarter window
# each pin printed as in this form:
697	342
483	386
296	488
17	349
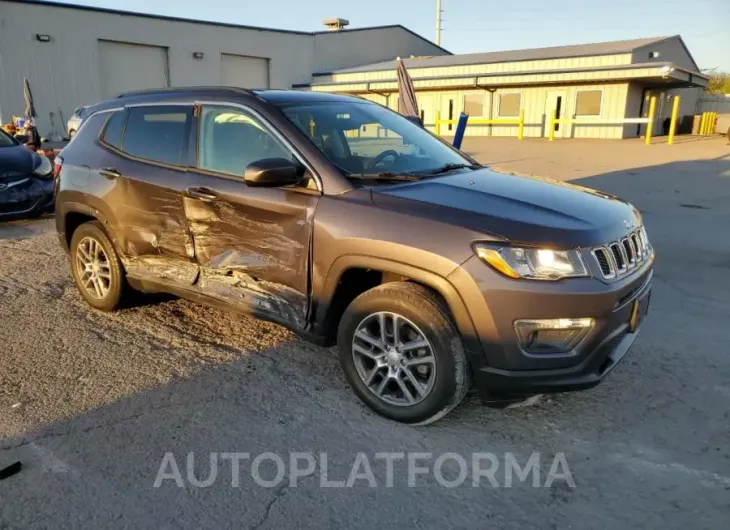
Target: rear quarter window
90	128
114	128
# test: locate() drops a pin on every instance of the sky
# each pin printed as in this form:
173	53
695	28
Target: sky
481	25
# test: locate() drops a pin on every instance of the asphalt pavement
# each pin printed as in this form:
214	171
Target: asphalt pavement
120	419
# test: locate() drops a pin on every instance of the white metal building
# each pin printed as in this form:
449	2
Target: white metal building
603	82
77	55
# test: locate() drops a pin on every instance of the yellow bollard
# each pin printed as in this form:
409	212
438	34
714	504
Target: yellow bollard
703	122
713	121
437	127
673	122
650	125
551	132
521	127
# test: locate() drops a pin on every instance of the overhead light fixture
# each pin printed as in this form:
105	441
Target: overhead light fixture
198	55
42	38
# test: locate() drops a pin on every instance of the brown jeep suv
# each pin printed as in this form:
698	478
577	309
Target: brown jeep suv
349	224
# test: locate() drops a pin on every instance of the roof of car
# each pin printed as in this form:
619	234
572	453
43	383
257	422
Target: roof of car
305	96
276	97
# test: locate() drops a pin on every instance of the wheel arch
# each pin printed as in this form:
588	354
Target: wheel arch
71	216
329	302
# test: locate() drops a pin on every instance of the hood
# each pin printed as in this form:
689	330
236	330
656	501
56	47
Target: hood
520	209
16	161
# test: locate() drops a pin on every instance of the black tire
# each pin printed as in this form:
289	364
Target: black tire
118	287
427	311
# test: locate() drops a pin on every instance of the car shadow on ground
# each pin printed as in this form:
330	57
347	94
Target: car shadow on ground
660	406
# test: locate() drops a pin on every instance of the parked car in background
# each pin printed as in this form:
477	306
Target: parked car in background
27	184
348	223
74	122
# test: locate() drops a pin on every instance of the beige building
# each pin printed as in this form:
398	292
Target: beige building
601	83
78	55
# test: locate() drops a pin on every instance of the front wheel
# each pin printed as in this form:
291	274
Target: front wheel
96	268
401	353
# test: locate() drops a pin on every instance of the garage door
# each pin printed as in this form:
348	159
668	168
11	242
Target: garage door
126	67
246	72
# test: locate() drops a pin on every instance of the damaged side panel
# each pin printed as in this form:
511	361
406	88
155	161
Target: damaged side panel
252	246
255	296
152	233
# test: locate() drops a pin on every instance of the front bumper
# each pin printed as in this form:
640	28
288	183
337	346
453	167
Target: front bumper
505	371
30	197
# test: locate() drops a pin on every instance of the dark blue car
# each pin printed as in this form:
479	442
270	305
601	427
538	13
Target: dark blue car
27	184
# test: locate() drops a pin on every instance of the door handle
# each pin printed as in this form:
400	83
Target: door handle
110	173
202	194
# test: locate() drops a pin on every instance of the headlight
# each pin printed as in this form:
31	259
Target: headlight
44	169
533	263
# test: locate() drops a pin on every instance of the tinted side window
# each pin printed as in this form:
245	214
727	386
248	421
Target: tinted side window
90	129
114	128
230	140
158	133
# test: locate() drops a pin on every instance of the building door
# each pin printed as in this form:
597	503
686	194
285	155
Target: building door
244	72
128	67
556	99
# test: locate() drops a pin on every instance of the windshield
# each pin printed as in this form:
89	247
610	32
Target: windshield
6	140
367	140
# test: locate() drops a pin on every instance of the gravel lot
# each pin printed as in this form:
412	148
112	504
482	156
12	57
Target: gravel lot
91	402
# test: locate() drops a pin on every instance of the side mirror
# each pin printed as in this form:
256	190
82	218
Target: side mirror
273	173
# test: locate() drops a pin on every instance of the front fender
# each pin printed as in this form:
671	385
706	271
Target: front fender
438	283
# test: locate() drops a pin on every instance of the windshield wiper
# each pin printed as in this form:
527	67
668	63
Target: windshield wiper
398	177
451	167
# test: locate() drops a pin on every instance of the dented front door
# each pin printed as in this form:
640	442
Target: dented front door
252	244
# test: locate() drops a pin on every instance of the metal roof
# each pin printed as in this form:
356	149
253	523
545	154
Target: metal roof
554	52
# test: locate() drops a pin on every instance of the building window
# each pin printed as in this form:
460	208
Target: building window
588	103
509	105
474	105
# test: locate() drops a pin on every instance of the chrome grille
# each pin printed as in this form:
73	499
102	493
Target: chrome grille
618	258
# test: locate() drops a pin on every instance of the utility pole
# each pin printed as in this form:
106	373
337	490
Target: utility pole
438	22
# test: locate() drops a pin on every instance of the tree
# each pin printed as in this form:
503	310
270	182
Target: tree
719	83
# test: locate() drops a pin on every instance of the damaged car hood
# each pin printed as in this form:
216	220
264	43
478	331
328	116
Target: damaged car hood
517	208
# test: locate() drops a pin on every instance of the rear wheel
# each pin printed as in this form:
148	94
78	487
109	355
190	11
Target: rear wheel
96	268
401	353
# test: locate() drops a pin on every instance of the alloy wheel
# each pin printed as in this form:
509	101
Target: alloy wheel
93	268
394	359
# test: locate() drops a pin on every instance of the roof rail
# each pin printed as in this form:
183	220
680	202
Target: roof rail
168	90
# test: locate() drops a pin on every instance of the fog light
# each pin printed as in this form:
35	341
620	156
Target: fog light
553	336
